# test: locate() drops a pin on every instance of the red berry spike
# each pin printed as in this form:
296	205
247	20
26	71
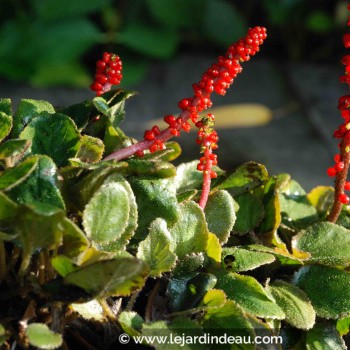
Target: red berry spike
217	78
341	167
108	73
207	139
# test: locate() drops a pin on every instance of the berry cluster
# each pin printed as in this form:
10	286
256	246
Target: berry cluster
207	139
108	73
218	78
341	160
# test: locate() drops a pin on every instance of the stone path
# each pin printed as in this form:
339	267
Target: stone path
297	141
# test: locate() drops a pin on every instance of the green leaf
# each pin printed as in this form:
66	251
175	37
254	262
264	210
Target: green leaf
238	259
324	336
40	186
343	326
250	213
151	169
188	177
220	214
155	199
229	317
188	265
214	298
321	197
245	178
63	265
190	233
91	310
48	230
14	176
294	303
173	329
3	336
6	106
282	255
101	105
26	111
186	292
319	22
117	277
40	336
131	322
249	294
48	11
5	125
272	218
54	135
328	243
80	113
13	149
91	149
156	42
213	249
106	216
176	13
155	249
112	104
221	20
74	239
131	225
296	209
8	211
328	289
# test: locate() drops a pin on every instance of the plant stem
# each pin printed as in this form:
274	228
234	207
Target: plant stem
206	179
339	185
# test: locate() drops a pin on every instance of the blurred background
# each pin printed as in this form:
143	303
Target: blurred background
48	50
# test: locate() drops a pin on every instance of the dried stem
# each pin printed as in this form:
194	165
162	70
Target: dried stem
339	185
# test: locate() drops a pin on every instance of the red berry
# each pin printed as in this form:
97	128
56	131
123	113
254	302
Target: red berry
337	158
347	186
343	198
174	132
106	57
139	154
339	166
101	64
331	172
213	174
96	86
155	130
149	135
170	119
200	167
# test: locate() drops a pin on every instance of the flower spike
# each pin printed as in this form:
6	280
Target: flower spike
218	78
341	161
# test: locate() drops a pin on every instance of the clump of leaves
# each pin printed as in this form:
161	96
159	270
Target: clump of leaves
91	249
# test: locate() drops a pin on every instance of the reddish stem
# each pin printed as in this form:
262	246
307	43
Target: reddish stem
340	180
206	178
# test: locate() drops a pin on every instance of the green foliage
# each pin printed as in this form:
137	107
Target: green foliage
125	243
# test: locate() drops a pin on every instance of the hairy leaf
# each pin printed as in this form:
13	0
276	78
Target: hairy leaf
54	135
294	303
155	249
220	214
117	277
328	289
